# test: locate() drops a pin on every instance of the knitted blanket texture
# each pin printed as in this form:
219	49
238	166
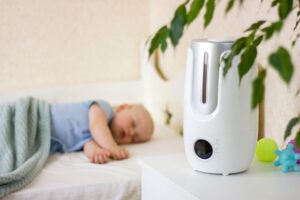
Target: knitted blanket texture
24	142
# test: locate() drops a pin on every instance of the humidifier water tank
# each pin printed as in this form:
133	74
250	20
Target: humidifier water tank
220	128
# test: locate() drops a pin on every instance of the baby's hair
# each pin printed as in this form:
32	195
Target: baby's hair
141	106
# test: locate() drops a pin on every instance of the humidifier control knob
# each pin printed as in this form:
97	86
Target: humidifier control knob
203	149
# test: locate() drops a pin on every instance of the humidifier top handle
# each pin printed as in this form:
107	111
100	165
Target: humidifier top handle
215	40
224	54
220	40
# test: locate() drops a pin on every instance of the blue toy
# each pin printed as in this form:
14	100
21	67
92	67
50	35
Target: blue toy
288	159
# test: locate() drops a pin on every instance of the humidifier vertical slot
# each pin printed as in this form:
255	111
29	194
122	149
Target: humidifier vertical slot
204	80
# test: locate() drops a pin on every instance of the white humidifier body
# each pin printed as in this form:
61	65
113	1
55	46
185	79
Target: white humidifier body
220	128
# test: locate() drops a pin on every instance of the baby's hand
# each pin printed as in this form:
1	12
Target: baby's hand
99	155
118	153
95	153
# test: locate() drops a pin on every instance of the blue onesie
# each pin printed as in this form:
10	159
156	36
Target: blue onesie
70	125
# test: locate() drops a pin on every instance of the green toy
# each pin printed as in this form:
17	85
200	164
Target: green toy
265	150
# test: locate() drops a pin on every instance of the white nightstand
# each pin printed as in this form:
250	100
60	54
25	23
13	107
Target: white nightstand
170	177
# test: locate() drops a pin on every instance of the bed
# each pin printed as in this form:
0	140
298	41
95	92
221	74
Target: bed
72	176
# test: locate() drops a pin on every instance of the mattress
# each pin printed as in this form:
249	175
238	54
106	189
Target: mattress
72	176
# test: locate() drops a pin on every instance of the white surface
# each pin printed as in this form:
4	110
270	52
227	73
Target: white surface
169	176
71	176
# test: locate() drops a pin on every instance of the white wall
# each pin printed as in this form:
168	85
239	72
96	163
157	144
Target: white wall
62	42
280	101
49	43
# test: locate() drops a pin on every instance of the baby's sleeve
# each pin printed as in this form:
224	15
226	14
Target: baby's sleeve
104	105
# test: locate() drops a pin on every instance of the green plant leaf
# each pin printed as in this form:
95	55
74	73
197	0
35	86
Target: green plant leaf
247	60
285	7
258	88
298	139
229	6
255	26
210	8
195	8
250	38
163	46
158	39
274	3
237	47
293	122
177	24
258	40
270	30
281	61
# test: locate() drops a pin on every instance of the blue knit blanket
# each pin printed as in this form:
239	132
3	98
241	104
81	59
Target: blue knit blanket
24	142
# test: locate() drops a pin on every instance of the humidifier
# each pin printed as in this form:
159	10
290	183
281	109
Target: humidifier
220	128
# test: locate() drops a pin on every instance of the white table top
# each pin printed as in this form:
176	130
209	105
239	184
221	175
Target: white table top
261	181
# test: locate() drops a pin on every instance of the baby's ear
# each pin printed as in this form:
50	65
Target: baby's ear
122	107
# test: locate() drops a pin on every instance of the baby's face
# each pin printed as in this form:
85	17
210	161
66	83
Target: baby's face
131	124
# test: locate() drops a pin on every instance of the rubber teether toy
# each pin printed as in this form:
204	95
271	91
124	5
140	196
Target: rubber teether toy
287	158
296	149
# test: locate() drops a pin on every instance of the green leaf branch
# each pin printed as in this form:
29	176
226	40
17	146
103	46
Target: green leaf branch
195	8
184	16
292	123
210	8
281	62
246	46
259	88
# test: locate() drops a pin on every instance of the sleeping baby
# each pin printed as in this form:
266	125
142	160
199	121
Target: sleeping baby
98	129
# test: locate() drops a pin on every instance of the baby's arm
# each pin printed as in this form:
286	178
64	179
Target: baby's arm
95	153
102	135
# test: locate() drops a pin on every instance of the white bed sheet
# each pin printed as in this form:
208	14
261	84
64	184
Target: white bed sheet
72	176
